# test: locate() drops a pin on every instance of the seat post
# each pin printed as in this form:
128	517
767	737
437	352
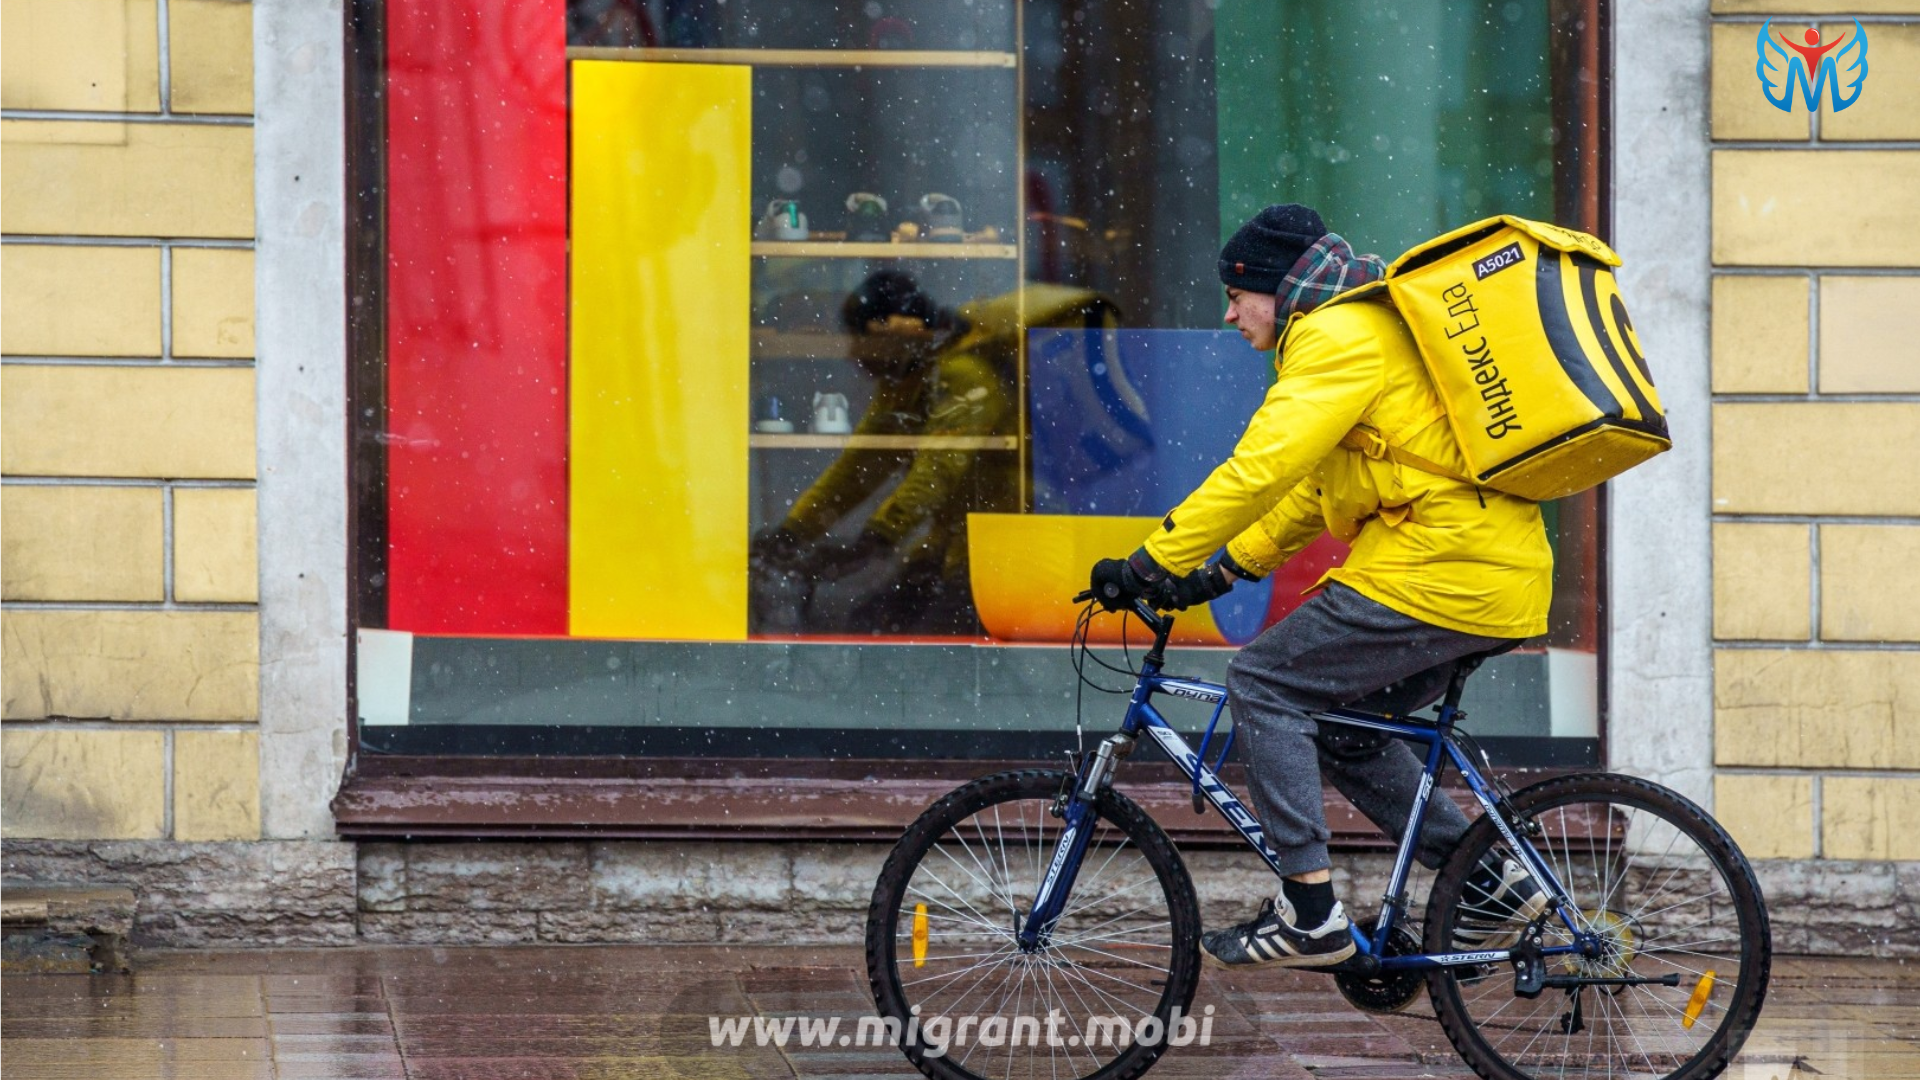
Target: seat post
1461	669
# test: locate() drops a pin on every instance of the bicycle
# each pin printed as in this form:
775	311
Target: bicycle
1044	893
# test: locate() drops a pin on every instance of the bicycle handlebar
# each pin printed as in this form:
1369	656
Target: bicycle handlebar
1161	625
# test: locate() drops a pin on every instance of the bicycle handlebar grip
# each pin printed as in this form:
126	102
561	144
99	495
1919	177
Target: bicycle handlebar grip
1084	596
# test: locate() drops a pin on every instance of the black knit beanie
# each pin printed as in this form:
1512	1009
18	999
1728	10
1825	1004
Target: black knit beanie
1258	257
885	293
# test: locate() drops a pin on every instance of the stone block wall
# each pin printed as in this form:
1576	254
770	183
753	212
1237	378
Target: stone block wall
1816	432
129	623
705	892
299	893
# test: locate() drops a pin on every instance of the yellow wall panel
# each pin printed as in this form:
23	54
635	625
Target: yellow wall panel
1770	817
158	422
210	44
1740	109
103	179
1802	7
216	785
1815	708
80	55
1762	581
1868	329
85	785
213	302
1887	108
215	548
81	543
79	301
1862	568
1816	458
1759	334
1870	818
658	362
1863	207
130	665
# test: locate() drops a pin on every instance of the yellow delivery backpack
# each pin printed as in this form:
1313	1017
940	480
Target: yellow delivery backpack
1522	327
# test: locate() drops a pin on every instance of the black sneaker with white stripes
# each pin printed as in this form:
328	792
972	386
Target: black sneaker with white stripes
1497	901
1271	938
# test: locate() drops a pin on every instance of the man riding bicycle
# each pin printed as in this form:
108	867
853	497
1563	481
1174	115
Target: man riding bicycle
1440	571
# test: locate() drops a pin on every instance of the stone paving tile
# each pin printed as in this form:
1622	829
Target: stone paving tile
112	1051
123	1026
146	1070
360	1023
541	1025
340	1069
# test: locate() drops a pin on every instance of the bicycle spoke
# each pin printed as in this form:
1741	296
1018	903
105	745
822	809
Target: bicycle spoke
1670	908
1116	948
1114	956
972	915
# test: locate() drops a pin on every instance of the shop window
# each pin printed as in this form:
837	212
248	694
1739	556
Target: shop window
758	378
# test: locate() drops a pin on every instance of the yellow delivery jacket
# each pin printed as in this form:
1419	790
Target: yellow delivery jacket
966	390
1434	548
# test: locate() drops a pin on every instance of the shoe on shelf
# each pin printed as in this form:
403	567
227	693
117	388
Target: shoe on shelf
1497	902
1272	938
942	218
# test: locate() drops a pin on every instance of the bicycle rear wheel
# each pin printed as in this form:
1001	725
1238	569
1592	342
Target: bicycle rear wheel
1667	892
942	947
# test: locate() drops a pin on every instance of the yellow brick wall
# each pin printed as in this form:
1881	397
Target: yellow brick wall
1816	443
129	623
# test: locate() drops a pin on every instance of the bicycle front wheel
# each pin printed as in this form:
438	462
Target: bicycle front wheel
1681	926
1097	998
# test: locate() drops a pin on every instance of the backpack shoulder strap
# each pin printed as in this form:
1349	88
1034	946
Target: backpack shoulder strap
1374	445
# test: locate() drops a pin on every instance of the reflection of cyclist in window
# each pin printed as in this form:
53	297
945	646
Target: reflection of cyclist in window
1439	571
938	375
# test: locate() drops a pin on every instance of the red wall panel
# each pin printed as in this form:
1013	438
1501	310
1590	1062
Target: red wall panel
476	316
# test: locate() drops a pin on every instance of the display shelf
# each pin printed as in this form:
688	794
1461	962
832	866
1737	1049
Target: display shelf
844	249
902	58
807	441
800	345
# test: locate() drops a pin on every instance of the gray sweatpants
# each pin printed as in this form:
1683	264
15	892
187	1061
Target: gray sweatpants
1342	649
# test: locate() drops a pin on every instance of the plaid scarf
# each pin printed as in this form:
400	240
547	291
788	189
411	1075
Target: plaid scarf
1326	270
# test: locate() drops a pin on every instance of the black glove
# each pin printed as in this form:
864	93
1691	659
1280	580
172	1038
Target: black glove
831	562
777	547
1205	584
1117	583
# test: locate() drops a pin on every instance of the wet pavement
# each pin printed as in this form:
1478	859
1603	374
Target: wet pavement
600	1013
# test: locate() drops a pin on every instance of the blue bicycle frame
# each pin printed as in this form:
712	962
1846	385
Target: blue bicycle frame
1142	717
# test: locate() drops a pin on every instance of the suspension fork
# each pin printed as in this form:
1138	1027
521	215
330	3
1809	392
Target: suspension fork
1076	808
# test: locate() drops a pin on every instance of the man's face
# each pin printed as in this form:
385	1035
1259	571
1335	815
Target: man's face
893	346
1252	314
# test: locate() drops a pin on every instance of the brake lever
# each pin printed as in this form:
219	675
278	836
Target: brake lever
1147	614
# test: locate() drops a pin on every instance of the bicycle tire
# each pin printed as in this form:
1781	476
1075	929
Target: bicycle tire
1024	796
1605	883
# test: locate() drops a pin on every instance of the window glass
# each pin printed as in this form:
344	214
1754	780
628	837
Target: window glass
760	377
